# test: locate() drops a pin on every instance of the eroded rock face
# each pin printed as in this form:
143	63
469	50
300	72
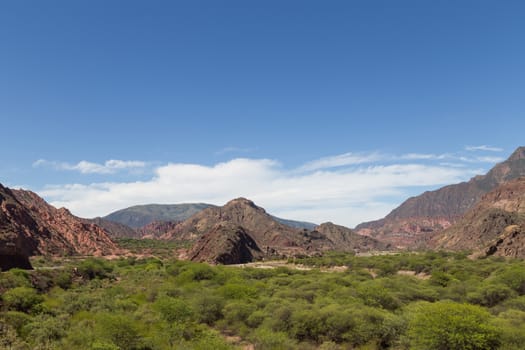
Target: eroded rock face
495	226
29	226
68	234
156	229
17	229
226	244
347	240
434	211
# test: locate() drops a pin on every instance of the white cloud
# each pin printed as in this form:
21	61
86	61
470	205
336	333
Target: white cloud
483	148
84	167
316	193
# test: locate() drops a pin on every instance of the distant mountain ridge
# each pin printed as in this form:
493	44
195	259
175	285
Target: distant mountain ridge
141	217
437	210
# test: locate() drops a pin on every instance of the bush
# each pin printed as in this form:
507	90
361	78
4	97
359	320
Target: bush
94	268
22	299
265	339
452	326
174	310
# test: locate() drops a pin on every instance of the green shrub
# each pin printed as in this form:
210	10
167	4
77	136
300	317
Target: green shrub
452	326
22	299
174	310
94	268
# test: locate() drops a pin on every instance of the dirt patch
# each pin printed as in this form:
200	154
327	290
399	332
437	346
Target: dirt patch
421	275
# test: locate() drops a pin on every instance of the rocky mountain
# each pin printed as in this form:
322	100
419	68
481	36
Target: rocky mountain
148	219
30	226
227	244
17	231
69	235
241	217
495	226
342	236
156	229
437	210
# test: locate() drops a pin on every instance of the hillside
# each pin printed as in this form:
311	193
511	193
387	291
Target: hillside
495	226
17	232
114	229
66	234
436	210
270	236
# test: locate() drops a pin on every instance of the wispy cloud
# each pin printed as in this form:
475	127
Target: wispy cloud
231	149
425	156
84	167
341	160
483	148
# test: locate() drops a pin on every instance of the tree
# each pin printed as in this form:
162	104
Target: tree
447	325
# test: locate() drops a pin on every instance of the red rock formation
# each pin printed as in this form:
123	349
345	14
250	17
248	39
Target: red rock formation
434	211
17	230
156	229
65	234
495	226
30	226
348	240
226	244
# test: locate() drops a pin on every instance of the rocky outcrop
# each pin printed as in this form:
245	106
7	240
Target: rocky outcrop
17	230
495	226
29	226
226	244
66	234
347	240
434	211
271	236
156	229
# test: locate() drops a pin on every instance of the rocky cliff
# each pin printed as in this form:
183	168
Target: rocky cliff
226	244
495	226
156	229
17	231
434	211
30	226
68	234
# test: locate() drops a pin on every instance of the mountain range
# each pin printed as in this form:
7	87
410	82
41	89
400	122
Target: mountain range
272	237
485	215
140	216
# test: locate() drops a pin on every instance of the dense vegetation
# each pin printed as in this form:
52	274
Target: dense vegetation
403	301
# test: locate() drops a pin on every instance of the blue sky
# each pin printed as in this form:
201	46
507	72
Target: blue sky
297	104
